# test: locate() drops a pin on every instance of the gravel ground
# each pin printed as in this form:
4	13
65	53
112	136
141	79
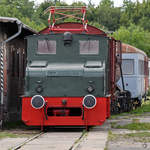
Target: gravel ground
128	145
119	139
15	136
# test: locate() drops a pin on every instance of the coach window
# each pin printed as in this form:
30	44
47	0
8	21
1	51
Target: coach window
46	47
141	67
89	47
128	66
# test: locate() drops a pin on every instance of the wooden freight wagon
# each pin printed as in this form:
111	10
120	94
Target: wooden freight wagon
12	66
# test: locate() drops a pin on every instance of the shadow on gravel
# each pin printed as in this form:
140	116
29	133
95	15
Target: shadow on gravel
64	129
21	126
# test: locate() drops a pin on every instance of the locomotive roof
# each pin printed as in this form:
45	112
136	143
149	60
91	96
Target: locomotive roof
126	48
74	25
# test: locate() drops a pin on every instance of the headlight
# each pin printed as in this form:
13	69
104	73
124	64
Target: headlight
37	102
89	101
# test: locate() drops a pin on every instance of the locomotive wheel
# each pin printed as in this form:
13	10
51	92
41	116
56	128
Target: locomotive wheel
115	107
128	101
115	104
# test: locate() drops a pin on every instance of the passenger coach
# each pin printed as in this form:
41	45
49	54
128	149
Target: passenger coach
135	72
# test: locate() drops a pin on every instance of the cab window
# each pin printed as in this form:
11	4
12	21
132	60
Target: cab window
46	47
89	47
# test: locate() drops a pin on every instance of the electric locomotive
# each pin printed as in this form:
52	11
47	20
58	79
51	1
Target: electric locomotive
71	75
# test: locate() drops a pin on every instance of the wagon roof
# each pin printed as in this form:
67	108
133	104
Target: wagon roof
126	48
15	20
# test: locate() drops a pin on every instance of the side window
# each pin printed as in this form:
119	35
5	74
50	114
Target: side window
128	66
46	47
89	47
141	67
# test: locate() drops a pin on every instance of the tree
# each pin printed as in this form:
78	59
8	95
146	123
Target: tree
107	15
39	15
17	8
134	35
107	3
21	9
136	13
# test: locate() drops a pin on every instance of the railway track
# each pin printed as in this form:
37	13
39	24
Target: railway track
66	139
18	146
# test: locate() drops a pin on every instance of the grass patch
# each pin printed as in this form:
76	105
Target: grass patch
143	137
113	124
139	137
13	135
143	109
135	120
5	134
111	136
139	134
118	115
135	126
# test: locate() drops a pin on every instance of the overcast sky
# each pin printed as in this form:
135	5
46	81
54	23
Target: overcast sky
96	2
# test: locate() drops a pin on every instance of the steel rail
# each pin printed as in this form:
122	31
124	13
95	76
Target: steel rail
76	144
26	141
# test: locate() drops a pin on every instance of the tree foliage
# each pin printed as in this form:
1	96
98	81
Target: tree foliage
134	35
130	22
21	9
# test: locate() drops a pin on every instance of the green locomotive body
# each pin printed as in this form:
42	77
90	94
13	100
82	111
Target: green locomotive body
57	68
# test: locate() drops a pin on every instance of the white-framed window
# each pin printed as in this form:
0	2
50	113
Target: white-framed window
141	67
128	66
